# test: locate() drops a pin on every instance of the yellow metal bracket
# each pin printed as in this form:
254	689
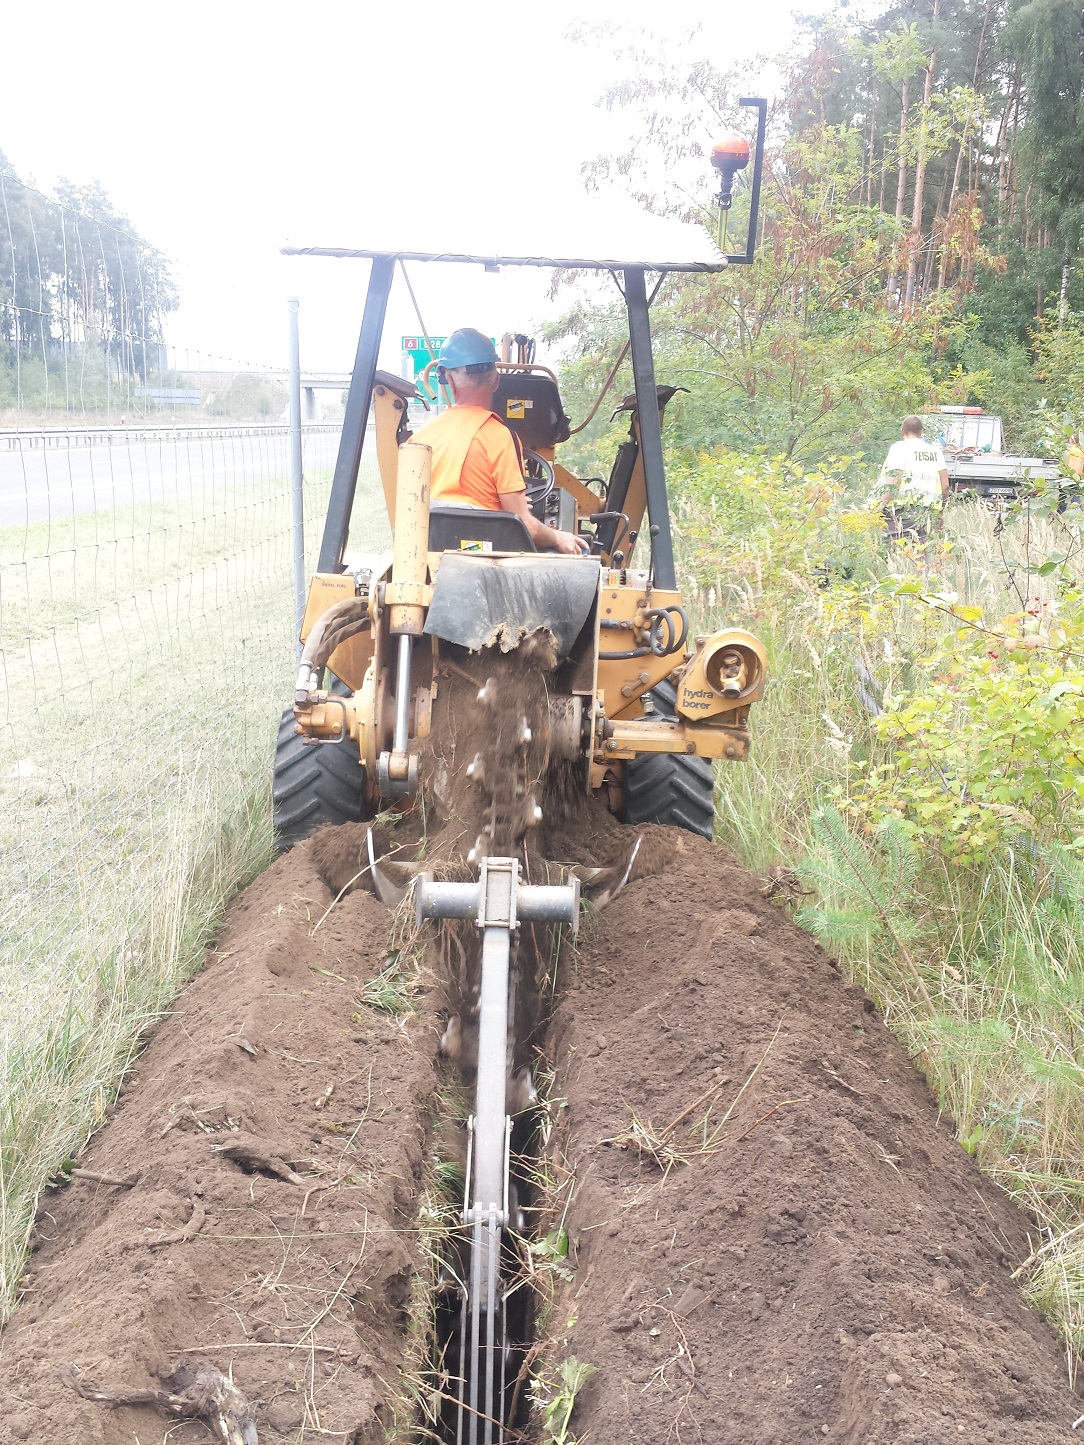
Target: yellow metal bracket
626	740
727	671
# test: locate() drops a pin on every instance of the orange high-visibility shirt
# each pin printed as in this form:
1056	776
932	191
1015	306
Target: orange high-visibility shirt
474	458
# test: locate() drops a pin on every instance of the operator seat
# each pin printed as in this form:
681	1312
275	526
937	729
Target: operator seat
529	404
452	529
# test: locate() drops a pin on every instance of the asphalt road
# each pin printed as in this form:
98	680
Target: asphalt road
38	484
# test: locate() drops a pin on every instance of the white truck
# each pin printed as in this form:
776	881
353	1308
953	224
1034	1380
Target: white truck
974	446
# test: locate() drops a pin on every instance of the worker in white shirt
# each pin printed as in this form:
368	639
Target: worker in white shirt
914	484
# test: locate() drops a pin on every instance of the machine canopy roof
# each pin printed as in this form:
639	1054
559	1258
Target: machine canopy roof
567	263
610	238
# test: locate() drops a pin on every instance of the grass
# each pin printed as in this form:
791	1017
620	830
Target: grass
647	1143
394	990
979	969
72	1024
146	653
425	1380
701	1134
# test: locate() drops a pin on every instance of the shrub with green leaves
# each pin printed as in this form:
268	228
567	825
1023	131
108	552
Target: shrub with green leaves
761	520
989	745
915	787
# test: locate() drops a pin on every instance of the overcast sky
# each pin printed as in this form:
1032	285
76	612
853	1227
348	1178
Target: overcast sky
224	129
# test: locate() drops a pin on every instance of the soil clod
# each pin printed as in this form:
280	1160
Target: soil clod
200	1392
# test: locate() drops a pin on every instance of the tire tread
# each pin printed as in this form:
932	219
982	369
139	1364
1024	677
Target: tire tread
671	788
314	785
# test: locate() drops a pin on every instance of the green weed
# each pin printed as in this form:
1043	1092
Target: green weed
555	1398
391	991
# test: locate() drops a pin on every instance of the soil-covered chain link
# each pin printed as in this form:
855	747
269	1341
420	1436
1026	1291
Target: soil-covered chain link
509	766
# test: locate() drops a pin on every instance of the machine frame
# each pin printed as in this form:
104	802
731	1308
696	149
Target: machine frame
639	626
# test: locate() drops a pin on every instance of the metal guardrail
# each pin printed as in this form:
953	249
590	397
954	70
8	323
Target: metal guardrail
89	436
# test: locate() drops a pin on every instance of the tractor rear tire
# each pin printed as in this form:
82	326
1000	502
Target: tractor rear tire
671	788
315	784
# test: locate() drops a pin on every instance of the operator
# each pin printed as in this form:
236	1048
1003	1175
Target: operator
1074	456
914	484
476	458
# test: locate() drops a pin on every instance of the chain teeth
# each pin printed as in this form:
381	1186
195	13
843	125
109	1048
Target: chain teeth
502	774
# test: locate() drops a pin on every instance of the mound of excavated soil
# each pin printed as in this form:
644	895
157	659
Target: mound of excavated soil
832	1265
823	1262
269	1068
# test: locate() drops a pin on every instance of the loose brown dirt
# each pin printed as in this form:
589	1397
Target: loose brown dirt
271	1065
804	1255
828	1264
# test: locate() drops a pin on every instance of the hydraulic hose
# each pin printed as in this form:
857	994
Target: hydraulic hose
667	629
334	627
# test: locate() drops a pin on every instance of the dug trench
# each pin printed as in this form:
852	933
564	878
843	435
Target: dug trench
760	1229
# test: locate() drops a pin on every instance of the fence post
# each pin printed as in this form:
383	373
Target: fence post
296	480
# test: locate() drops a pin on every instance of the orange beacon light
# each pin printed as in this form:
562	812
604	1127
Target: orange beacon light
729	155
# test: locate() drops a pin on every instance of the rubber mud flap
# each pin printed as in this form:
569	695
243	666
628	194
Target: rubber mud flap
481	601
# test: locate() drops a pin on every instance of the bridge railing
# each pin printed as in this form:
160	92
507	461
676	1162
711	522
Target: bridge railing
16	438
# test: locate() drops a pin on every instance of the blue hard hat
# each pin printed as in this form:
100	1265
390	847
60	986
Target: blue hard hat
467	347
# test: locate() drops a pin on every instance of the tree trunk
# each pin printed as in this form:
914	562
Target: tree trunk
1063	298
920	175
901	178
1014	169
937	227
942	270
977	83
901	181
980	49
1004	142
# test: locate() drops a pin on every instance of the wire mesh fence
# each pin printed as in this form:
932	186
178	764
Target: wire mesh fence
146	651
147	648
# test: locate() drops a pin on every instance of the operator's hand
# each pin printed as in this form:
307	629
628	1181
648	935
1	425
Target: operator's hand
546	539
569	543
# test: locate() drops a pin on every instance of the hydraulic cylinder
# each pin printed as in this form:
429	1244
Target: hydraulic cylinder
407	592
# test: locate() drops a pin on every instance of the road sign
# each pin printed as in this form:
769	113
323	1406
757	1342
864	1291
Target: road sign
417	343
418	354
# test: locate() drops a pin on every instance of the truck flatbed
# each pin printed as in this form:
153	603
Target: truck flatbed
973	443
